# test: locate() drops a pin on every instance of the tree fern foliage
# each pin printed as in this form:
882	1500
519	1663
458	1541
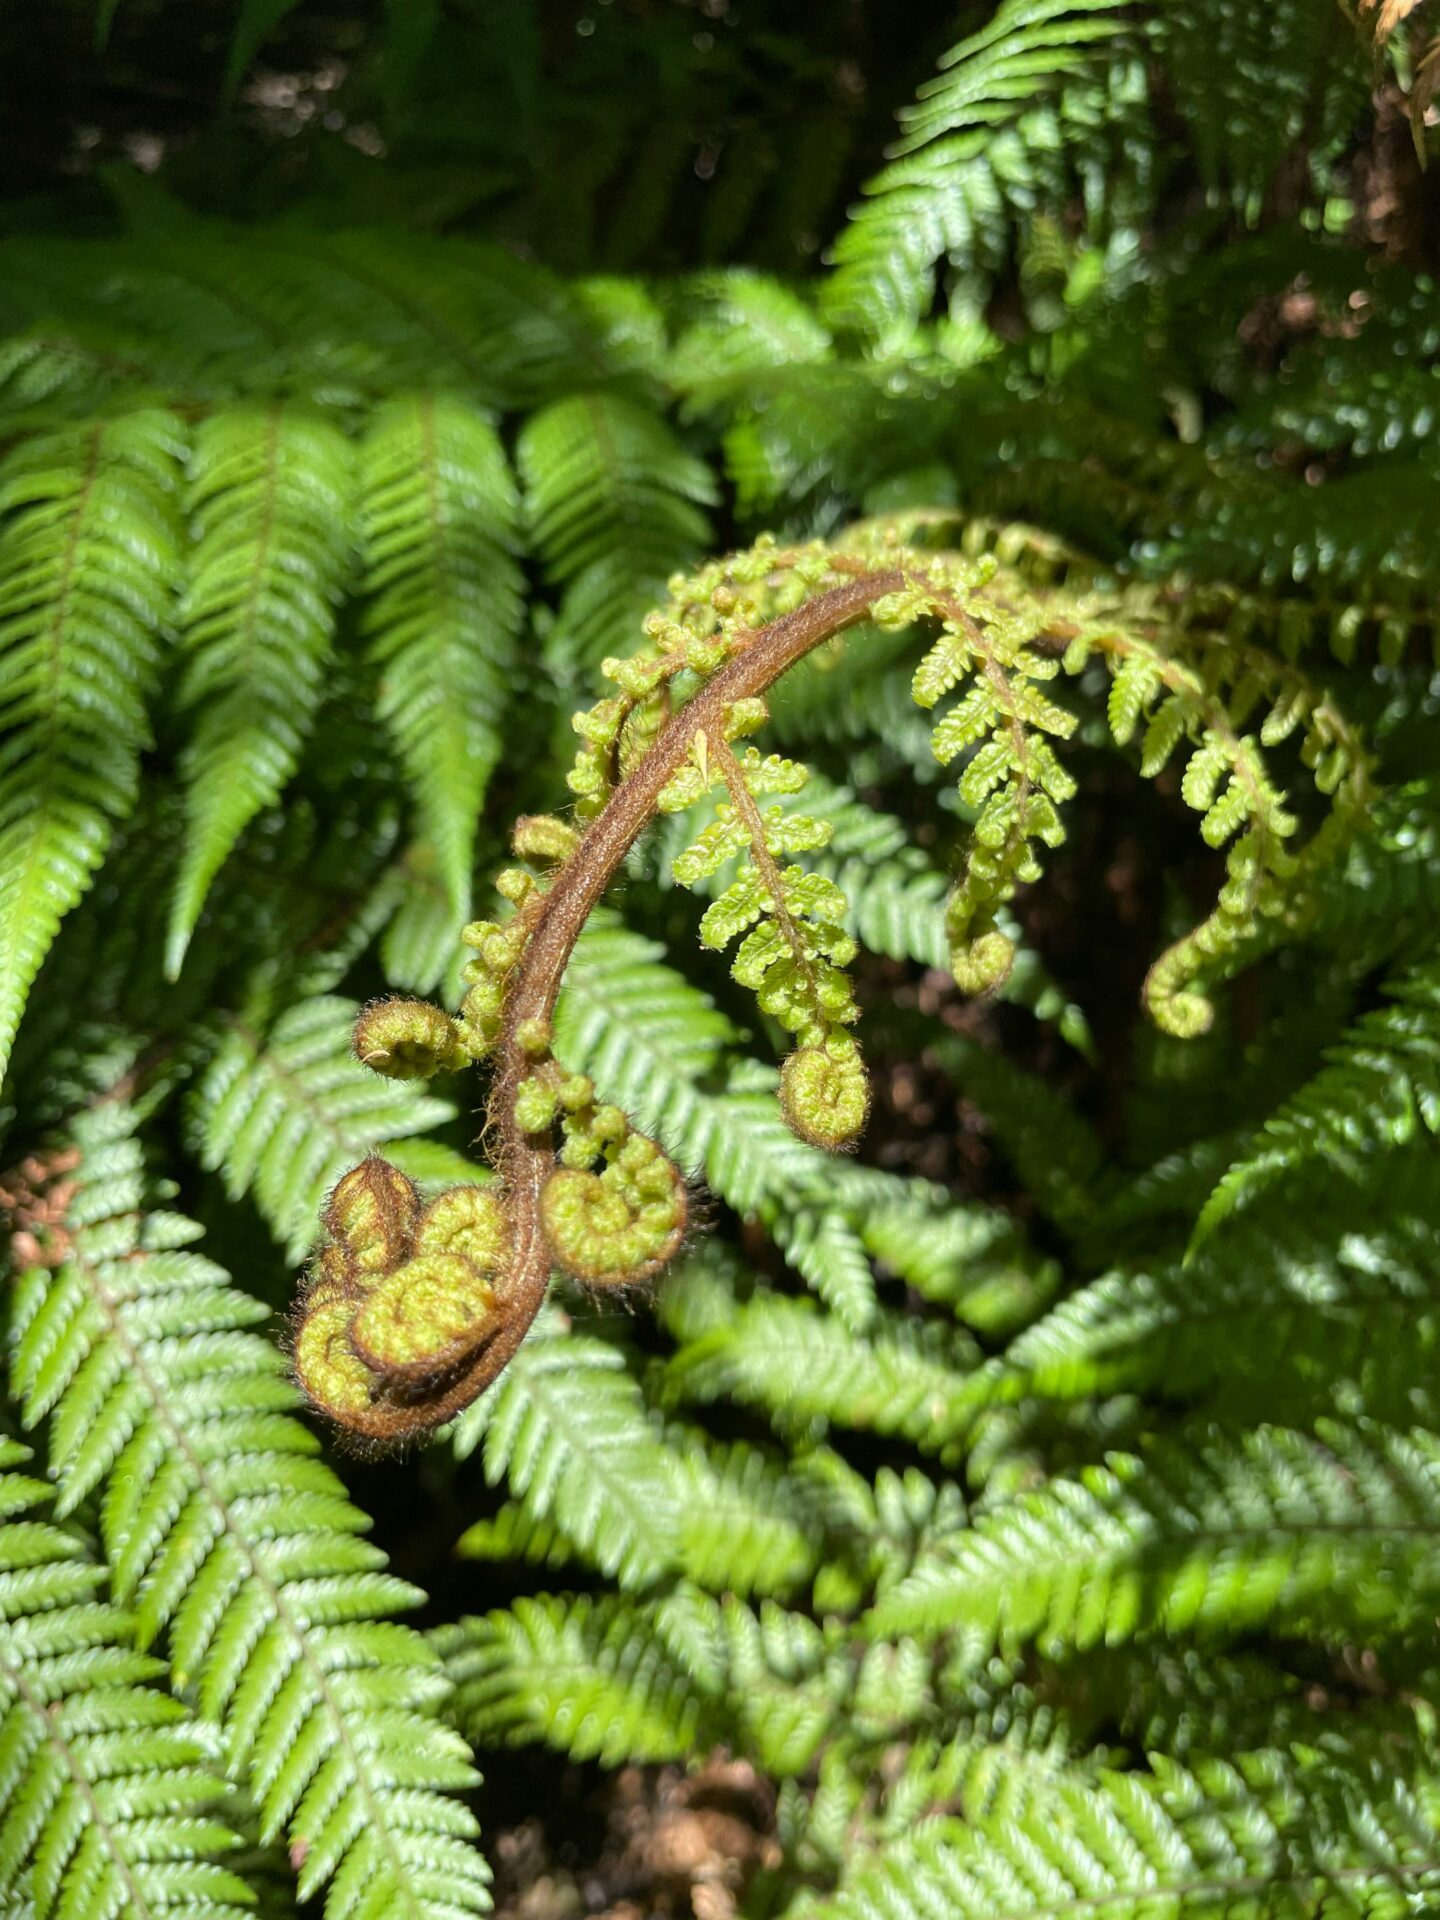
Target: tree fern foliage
112	1797
235	1547
1042	1499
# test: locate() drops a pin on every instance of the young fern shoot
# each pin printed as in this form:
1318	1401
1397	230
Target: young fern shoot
410	1312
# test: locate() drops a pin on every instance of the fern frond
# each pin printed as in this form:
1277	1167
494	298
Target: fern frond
108	1789
614	502
807	1370
651	1040
1051	1145
589	1676
270	497
1259	1835
90	563
1379	1090
281	1113
1275	1529
1324	1299
566	1427
743	1529
1248	82
737	322
895	896
231	1540
438	511
998	129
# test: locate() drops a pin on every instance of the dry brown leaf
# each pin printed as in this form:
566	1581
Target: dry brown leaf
1391	13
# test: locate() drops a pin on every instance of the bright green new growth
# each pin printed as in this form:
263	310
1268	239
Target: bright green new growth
393	1337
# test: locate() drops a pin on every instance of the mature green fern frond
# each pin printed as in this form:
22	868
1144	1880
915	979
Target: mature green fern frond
438	510
1275	1529
1261	1835
824	1247
970	1259
1052	1147
232	1541
737	323
1320	1300
283	1110
806	1370
590	1676
566	1427
108	1788
744	1524
89	568
615	503
270	497
1380	1089
998	128
1251	83
825	434
500	329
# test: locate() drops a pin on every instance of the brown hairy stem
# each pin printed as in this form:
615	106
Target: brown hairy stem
524	1161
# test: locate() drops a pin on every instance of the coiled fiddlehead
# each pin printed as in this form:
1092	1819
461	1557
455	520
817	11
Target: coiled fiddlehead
410	1311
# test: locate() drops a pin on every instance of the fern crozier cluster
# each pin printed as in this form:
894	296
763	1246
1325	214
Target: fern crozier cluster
410	1313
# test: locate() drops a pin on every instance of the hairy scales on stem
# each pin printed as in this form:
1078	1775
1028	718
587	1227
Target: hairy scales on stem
409	1313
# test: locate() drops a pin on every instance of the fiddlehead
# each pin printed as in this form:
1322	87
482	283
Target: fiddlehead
412	1311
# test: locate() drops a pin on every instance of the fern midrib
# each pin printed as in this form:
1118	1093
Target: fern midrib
139	1369
136	1901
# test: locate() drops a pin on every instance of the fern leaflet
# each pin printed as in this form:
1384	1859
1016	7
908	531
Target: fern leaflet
270	498
90	562
438	511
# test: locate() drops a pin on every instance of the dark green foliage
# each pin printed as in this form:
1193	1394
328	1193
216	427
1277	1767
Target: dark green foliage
1045	1498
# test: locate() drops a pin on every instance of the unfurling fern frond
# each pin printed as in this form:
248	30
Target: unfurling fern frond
109	1790
281	1112
615	503
585	1190
237	1548
1309	1536
90	563
271	500
644	1033
438	511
